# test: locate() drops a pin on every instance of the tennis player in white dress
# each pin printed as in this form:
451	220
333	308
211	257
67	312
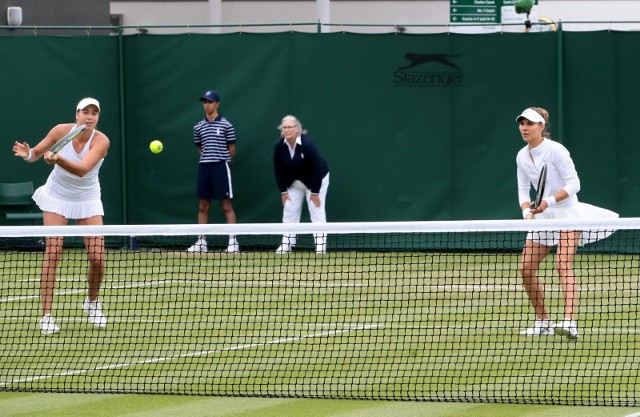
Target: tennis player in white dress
560	202
72	192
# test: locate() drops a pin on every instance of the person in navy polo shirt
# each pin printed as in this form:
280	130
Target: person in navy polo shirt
301	174
215	138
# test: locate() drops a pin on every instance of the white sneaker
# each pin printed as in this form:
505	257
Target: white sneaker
540	328
321	243
199	247
94	310
233	248
48	325
567	328
283	249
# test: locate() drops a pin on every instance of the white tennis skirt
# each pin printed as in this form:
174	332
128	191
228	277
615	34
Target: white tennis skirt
574	211
68	209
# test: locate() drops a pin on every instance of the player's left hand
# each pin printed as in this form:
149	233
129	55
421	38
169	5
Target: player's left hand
51	158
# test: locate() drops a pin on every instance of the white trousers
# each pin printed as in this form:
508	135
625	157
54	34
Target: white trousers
292	210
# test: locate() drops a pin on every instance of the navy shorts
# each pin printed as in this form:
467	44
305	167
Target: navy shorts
214	181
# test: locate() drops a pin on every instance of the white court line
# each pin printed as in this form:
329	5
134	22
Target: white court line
484	328
319	284
633	415
441	287
187	355
69	292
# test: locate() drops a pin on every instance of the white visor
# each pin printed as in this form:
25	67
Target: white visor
87	102
532	116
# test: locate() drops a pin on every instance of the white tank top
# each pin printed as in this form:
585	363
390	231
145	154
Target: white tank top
67	186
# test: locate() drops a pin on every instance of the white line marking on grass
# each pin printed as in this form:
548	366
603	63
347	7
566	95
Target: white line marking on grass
70	292
509	287
320	284
463	288
633	415
485	328
188	355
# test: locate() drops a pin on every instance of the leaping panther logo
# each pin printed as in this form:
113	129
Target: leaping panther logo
419	59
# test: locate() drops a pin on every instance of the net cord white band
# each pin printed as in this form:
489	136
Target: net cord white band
631	223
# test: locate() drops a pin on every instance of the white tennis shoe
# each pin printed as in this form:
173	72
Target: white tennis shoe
321	243
283	249
94	310
48	325
199	247
233	247
540	328
567	328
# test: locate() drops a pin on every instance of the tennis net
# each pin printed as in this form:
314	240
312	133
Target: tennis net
427	311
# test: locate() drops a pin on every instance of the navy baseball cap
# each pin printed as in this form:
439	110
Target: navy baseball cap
210	95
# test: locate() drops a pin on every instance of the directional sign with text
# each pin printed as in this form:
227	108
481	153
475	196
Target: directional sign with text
475	11
479	11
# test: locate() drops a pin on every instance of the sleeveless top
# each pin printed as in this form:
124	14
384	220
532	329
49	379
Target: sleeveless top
67	186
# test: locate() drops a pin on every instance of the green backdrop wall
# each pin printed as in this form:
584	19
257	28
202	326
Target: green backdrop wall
414	127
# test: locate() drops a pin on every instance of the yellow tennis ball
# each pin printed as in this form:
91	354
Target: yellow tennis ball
156	146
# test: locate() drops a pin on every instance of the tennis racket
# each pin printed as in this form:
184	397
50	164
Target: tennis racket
66	139
542	182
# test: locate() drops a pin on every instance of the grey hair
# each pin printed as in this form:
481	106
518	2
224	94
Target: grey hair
295	121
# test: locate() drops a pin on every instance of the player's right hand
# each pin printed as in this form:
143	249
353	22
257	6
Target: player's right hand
21	149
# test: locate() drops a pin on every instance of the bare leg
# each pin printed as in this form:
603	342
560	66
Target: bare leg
96	270
227	209
52	255
95	254
565	256
203	211
532	255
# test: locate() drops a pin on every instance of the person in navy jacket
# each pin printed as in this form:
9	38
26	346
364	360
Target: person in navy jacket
301	174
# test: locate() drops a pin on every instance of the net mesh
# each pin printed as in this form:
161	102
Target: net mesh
403	311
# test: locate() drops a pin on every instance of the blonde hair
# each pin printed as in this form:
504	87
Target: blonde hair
545	115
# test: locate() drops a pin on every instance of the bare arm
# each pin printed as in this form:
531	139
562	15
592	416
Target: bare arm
97	151
56	133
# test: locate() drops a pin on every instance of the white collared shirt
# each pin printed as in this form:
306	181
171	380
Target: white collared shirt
292	149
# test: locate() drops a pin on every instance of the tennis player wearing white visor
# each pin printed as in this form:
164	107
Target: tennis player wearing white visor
72	192
560	201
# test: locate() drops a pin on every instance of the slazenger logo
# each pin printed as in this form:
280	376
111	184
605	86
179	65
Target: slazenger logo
444	72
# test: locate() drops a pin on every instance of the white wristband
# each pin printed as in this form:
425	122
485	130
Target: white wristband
526	212
28	157
551	201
